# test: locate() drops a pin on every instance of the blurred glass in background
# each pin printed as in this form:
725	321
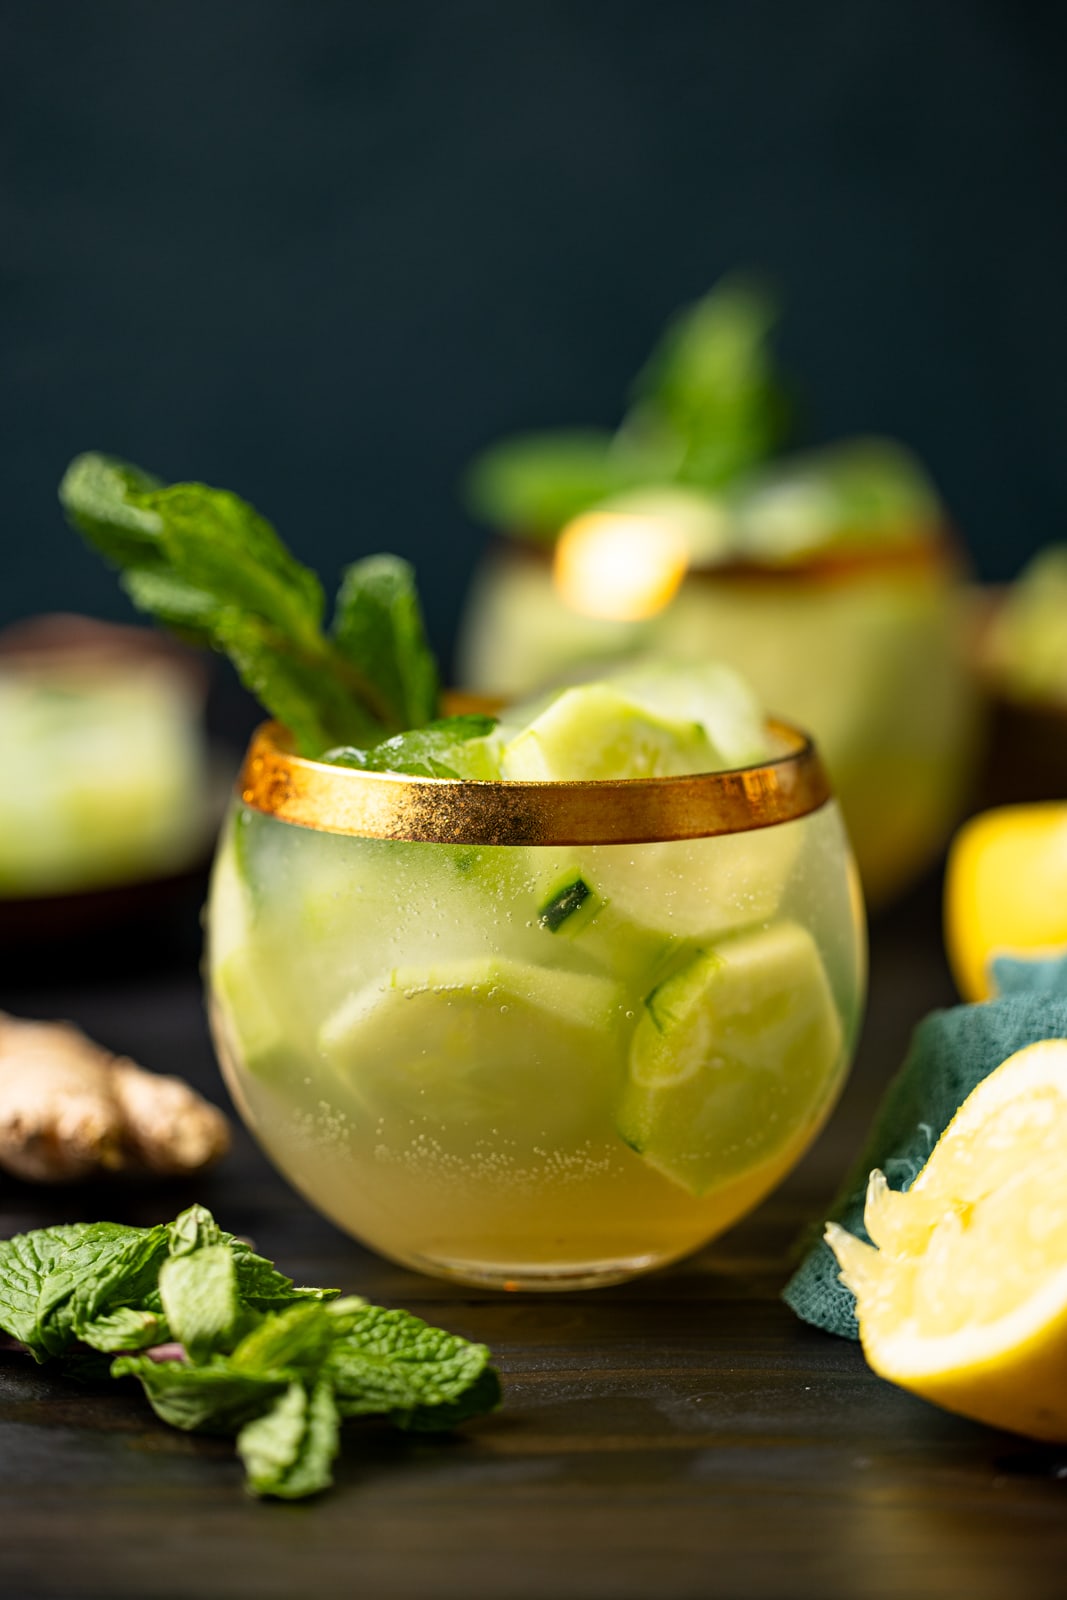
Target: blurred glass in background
830	578
104	758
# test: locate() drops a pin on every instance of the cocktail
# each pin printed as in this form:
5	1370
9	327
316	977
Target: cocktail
530	1034
535	1001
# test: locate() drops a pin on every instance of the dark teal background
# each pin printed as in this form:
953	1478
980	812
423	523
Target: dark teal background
320	252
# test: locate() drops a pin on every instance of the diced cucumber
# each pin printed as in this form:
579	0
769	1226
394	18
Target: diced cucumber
733	1059
593	732
564	903
482	1048
707	692
697	888
572	910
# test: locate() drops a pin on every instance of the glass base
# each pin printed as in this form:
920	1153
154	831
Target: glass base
534	1277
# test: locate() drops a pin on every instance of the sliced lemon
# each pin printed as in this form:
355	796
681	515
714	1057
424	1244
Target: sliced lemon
964	1300
1006	891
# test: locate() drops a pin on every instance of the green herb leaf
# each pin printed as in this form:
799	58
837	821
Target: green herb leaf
25	1263
393	1362
262	1286
299	692
708	405
378	628
481	1397
128	1328
288	1451
106	499
206	564
194	1229
199	1294
213	1398
109	1266
710	391
296	1342
229	1345
431	752
532	484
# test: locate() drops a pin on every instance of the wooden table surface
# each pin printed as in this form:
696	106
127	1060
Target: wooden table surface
681	1436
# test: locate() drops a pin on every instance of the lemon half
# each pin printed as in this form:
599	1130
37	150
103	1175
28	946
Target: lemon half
964	1300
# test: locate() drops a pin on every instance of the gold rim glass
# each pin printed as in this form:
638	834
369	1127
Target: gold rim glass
379	805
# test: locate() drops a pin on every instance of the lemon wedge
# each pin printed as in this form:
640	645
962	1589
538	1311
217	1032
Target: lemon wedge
1006	890
964	1300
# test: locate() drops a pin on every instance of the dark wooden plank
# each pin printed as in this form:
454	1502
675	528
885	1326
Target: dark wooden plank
677	1437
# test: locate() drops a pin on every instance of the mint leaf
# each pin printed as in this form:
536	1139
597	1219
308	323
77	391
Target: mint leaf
25	1263
262	1286
193	1230
208	565
430	752
58	1285
104	496
394	1363
217	543
296	1342
259	1283
300	693
128	1328
482	1396
288	1451
108	1266
213	1398
378	628
199	1295
222	1342
708	405
710	392
532	484
208	541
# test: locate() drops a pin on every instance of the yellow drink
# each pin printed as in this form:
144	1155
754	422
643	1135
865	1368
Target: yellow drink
534	1065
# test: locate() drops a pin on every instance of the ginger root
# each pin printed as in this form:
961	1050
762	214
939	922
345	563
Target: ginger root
69	1110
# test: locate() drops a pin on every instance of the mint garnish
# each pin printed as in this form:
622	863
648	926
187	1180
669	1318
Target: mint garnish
207	565
708	405
421	753
224	1343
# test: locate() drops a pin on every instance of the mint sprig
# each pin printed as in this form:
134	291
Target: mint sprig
708	405
435	751
207	565
223	1343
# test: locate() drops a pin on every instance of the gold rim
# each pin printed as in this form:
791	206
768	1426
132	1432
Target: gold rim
381	805
938	552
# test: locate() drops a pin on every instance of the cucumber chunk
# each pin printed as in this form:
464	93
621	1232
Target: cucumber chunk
593	732
481	1048
572	910
707	692
733	1059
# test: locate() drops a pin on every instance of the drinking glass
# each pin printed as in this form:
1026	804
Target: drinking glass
534	1035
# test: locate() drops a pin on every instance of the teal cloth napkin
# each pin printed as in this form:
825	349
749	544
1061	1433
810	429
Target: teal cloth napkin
1014	976
951	1052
